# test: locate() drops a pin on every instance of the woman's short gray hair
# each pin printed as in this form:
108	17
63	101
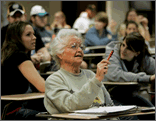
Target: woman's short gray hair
60	41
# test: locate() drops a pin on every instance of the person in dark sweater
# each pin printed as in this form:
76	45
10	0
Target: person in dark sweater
18	71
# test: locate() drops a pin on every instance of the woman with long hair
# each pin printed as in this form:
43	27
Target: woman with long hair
130	62
19	75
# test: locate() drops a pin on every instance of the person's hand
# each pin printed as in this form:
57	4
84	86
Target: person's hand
35	59
57	24
41	57
112	26
139	18
102	68
145	22
152	78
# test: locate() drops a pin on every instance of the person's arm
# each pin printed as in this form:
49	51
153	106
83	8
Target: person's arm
30	73
144	29
149	64
117	73
46	54
92	39
121	30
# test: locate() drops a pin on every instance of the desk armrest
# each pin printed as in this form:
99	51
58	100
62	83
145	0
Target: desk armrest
18	97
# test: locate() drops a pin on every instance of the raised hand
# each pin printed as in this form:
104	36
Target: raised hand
102	68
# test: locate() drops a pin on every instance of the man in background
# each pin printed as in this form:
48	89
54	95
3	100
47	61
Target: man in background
86	19
38	19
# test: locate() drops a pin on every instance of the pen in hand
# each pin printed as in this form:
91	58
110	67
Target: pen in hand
111	53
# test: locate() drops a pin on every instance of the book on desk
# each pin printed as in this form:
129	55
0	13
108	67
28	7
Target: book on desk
106	111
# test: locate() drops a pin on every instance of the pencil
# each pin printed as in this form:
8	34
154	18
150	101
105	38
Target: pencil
111	53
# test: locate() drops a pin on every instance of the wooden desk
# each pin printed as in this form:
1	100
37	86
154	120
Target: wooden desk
94	54
91	117
95	47
120	83
19	97
152	51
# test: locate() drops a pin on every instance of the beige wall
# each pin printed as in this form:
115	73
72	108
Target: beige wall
49	6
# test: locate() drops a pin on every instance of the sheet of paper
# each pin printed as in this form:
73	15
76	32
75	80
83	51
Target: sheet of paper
106	110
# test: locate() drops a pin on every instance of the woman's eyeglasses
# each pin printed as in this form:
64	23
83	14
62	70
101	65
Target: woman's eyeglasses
75	46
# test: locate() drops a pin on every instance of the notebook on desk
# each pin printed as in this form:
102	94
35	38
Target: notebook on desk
106	111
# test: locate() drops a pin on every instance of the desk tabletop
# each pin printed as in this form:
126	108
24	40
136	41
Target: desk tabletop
96	47
90	117
120	83
18	97
152	51
94	54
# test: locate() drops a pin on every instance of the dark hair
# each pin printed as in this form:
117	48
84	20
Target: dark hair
91	7
102	17
136	42
13	39
131	22
132	9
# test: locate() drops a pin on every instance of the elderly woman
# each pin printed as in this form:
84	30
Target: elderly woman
72	88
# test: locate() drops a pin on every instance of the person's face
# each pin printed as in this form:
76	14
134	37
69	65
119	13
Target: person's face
73	54
91	14
28	38
40	21
99	25
18	16
132	16
131	28
58	18
126	53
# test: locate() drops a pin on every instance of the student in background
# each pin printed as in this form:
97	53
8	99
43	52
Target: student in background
99	35
39	20
132	26
86	19
15	12
142	22
131	61
18	71
60	21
